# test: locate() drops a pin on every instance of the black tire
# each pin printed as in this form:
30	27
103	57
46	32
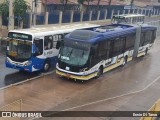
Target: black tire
124	61
100	72
46	66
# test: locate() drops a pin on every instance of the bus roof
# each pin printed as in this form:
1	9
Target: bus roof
54	29
128	16
107	32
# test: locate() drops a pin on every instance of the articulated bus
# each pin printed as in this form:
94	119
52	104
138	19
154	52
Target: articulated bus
128	18
34	49
85	54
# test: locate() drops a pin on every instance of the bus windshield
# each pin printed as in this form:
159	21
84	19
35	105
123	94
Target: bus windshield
75	54
19	49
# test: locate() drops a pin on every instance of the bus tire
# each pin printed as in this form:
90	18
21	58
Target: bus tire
46	66
124	61
100	72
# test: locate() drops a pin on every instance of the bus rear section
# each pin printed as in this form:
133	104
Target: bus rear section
86	54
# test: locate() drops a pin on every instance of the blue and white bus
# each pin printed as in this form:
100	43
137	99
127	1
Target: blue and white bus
128	19
34	49
85	54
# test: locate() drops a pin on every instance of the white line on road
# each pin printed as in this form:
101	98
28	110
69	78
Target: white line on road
123	95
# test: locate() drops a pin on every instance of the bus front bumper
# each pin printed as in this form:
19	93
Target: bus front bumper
18	67
74	75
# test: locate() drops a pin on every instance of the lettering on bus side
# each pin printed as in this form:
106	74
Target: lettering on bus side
48	53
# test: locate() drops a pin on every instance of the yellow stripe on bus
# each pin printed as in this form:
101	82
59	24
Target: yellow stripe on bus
118	63
141	54
76	76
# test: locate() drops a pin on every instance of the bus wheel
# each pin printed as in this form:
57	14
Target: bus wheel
46	66
100	72
124	61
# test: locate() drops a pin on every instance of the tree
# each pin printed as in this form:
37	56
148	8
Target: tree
4	8
20	7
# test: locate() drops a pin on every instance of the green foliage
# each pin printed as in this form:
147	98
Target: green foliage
19	7
4	7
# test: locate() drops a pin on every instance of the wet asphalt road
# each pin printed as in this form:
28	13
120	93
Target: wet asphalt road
10	76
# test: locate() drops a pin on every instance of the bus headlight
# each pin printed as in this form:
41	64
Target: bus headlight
27	63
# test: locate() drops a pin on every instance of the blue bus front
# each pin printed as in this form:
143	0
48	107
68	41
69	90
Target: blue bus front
19	51
24	54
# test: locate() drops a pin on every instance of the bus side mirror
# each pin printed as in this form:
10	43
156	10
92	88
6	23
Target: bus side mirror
58	44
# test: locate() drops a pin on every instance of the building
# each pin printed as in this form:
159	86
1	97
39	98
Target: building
42	3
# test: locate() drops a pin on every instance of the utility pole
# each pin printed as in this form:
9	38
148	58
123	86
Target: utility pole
35	12
11	16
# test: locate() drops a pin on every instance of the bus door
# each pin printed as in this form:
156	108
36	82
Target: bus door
37	49
48	46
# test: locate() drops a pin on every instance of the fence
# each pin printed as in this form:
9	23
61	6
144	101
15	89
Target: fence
12	107
56	17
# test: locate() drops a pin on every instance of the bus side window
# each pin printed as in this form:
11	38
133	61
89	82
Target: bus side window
102	49
142	39
48	42
130	39
153	36
56	38
148	37
38	47
118	46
